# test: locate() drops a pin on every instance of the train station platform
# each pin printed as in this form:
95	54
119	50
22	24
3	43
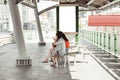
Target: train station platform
43	71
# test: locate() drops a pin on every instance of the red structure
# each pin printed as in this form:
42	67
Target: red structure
104	20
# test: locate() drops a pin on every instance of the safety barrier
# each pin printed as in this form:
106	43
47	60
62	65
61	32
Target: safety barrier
5	40
109	42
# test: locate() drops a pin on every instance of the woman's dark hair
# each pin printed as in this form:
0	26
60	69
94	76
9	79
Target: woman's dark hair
61	34
64	37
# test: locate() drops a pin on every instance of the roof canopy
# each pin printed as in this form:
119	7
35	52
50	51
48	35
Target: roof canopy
48	4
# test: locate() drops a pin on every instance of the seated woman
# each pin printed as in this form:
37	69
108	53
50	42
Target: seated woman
60	47
63	39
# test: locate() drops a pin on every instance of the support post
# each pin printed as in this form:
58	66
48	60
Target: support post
41	43
77	23
57	18
18	32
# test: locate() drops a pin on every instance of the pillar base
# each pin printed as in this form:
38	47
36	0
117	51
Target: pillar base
24	62
42	44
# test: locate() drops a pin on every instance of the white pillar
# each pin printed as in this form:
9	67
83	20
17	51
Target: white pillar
23	59
17	28
41	43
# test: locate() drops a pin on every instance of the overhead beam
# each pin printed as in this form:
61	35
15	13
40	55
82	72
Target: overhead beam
90	2
83	5
109	4
95	5
90	10
18	1
69	4
28	4
49	8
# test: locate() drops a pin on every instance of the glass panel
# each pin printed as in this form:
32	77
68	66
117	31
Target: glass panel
48	24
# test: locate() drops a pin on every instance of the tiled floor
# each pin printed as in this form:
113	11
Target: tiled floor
91	70
41	71
38	70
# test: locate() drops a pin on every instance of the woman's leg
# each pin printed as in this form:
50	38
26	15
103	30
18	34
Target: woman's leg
55	60
49	55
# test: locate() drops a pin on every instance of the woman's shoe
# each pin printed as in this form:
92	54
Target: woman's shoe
45	61
53	65
51	60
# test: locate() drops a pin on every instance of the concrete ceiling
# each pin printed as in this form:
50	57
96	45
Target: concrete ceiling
94	4
89	4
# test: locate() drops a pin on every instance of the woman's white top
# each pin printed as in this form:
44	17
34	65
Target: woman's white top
60	47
